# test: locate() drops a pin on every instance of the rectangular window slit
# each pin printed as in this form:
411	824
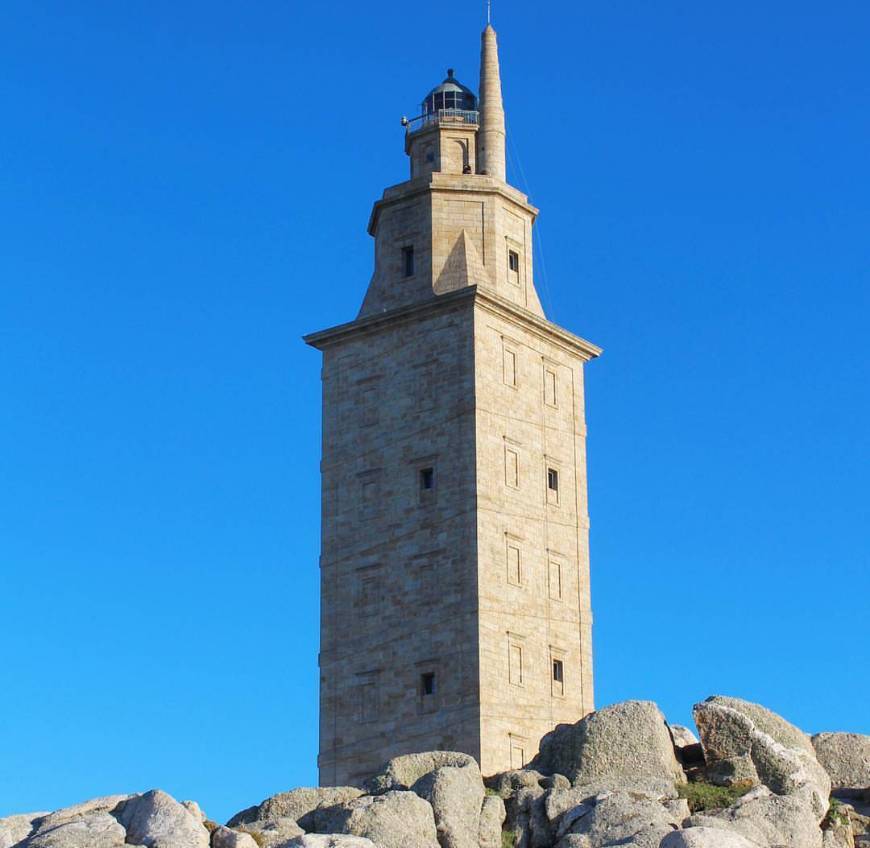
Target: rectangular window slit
512	468
427	683
408	261
552	479
555	580
513	261
427	479
550	387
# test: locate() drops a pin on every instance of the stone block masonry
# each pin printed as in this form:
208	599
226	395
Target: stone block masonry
455	592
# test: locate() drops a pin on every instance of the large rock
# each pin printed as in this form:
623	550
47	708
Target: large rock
527	818
858	814
838	835
317	840
298	804
91	830
195	810
768	819
507	783
623	818
683	737
157	820
103	804
456	795
403	772
396	819
846	759
621	743
706	837
225	837
764	720
272	833
450	781
88	824
492	816
563	808
745	741
13	829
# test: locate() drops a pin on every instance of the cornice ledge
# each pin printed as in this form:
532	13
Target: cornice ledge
539	326
374	323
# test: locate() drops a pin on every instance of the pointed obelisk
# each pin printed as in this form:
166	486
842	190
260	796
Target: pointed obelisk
491	136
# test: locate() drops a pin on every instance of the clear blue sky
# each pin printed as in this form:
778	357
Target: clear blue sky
184	189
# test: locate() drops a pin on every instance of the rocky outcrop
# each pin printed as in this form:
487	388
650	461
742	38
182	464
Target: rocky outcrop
297	804
225	837
629	742
456	794
682	736
156	820
79	812
743	741
14	829
705	837
492	816
623	818
395	819
403	772
615	779
90	824
452	784
768	819
846	759
93	830
272	833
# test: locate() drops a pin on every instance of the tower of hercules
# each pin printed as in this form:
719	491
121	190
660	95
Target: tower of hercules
455	602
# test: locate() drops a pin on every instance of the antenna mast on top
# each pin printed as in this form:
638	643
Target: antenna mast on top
489	11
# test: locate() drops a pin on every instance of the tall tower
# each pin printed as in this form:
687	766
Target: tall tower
455	602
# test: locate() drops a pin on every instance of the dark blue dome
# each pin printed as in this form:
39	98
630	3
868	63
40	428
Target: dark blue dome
451	94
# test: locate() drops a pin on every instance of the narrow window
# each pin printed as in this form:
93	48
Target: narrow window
368	707
513	262
514	565
558	678
369	594
553	480
427	683
549	387
512	468
515	672
510	367
369	491
518	756
555	580
408	261
427	479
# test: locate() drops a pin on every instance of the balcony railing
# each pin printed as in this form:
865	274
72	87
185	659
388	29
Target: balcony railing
441	116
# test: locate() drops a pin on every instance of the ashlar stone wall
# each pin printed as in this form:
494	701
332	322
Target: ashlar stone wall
398	568
532	528
455	566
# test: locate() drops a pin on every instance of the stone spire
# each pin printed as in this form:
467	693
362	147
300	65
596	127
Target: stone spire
491	136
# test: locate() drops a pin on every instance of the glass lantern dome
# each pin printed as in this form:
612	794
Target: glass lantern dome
451	94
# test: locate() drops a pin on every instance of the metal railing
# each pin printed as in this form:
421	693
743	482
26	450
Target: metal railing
441	116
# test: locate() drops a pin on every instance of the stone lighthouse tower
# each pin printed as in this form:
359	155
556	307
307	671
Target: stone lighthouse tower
455	608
